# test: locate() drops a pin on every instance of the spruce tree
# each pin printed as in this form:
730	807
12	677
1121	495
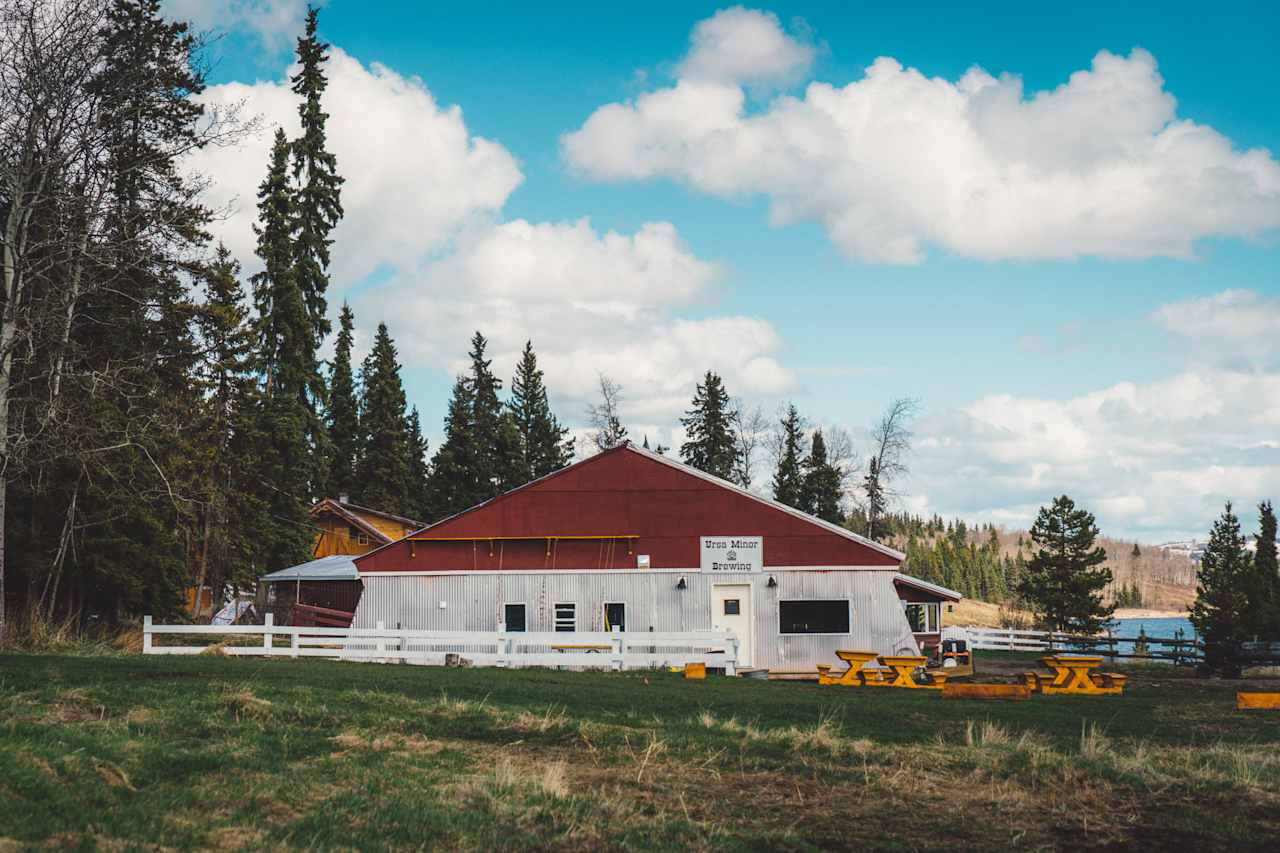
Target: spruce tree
711	445
450	486
788	477
232	520
494	461
383	470
1265	604
1062	583
343	412
419	501
286	355
1221	609
877	500
542	444
821	491
317	205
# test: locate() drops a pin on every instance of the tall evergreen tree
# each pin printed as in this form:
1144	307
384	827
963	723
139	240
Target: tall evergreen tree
495	458
343	411
821	488
877	501
1264	589
1267	565
385	461
450	485
711	445
136	332
416	490
286	346
317	205
231	521
543	445
788	477
1062	583
1221	610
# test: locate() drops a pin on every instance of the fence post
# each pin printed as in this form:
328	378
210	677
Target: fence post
500	646
146	635
268	635
617	649
381	647
295	642
731	665
404	647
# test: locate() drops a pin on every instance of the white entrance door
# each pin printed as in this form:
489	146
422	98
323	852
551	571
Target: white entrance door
731	611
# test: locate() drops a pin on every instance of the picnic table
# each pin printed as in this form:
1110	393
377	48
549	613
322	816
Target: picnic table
899	672
1075	674
855	675
589	648
903	668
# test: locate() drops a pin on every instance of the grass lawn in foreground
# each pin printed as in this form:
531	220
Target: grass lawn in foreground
132	751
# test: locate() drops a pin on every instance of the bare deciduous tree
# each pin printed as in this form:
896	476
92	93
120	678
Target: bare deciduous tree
890	443
750	431
607	430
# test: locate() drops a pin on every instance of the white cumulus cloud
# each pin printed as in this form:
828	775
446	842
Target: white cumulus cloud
274	22
897	161
590	302
1152	460
1232	315
415	176
740	45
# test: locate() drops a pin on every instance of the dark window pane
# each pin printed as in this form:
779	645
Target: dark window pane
615	617
731	607
566	617
514	615
813	617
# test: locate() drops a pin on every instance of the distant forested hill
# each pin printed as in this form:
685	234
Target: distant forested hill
986	561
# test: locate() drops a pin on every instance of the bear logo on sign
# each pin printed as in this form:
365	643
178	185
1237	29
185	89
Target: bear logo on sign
731	556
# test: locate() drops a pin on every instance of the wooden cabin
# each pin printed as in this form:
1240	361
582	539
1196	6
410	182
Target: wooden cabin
325	590
343	528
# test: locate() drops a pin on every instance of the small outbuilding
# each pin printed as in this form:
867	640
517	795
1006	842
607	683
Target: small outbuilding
300	594
635	541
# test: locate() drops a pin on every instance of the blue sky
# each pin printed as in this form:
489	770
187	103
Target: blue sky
1013	349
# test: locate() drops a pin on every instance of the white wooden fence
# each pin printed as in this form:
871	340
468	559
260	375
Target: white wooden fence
615	650
999	639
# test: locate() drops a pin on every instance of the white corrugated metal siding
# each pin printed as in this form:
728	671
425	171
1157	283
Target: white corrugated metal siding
474	602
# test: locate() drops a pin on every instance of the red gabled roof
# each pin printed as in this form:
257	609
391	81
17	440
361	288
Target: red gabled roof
603	511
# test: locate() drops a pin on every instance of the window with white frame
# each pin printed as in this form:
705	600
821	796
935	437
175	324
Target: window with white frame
566	617
813	616
924	617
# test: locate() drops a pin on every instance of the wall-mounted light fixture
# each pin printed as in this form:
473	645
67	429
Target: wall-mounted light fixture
772	584
682	583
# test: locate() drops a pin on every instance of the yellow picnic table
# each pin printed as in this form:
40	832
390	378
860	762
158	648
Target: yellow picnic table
1075	674
589	648
904	667
899	674
855	675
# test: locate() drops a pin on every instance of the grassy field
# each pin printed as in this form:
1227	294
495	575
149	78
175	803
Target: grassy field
122	751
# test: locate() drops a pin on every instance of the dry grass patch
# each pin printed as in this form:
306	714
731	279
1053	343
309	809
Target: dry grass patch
76	705
383	742
243	704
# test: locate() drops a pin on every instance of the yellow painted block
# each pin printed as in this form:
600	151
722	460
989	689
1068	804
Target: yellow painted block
695	670
1250	701
962	690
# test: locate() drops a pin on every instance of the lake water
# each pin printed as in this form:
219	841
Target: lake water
1156	629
